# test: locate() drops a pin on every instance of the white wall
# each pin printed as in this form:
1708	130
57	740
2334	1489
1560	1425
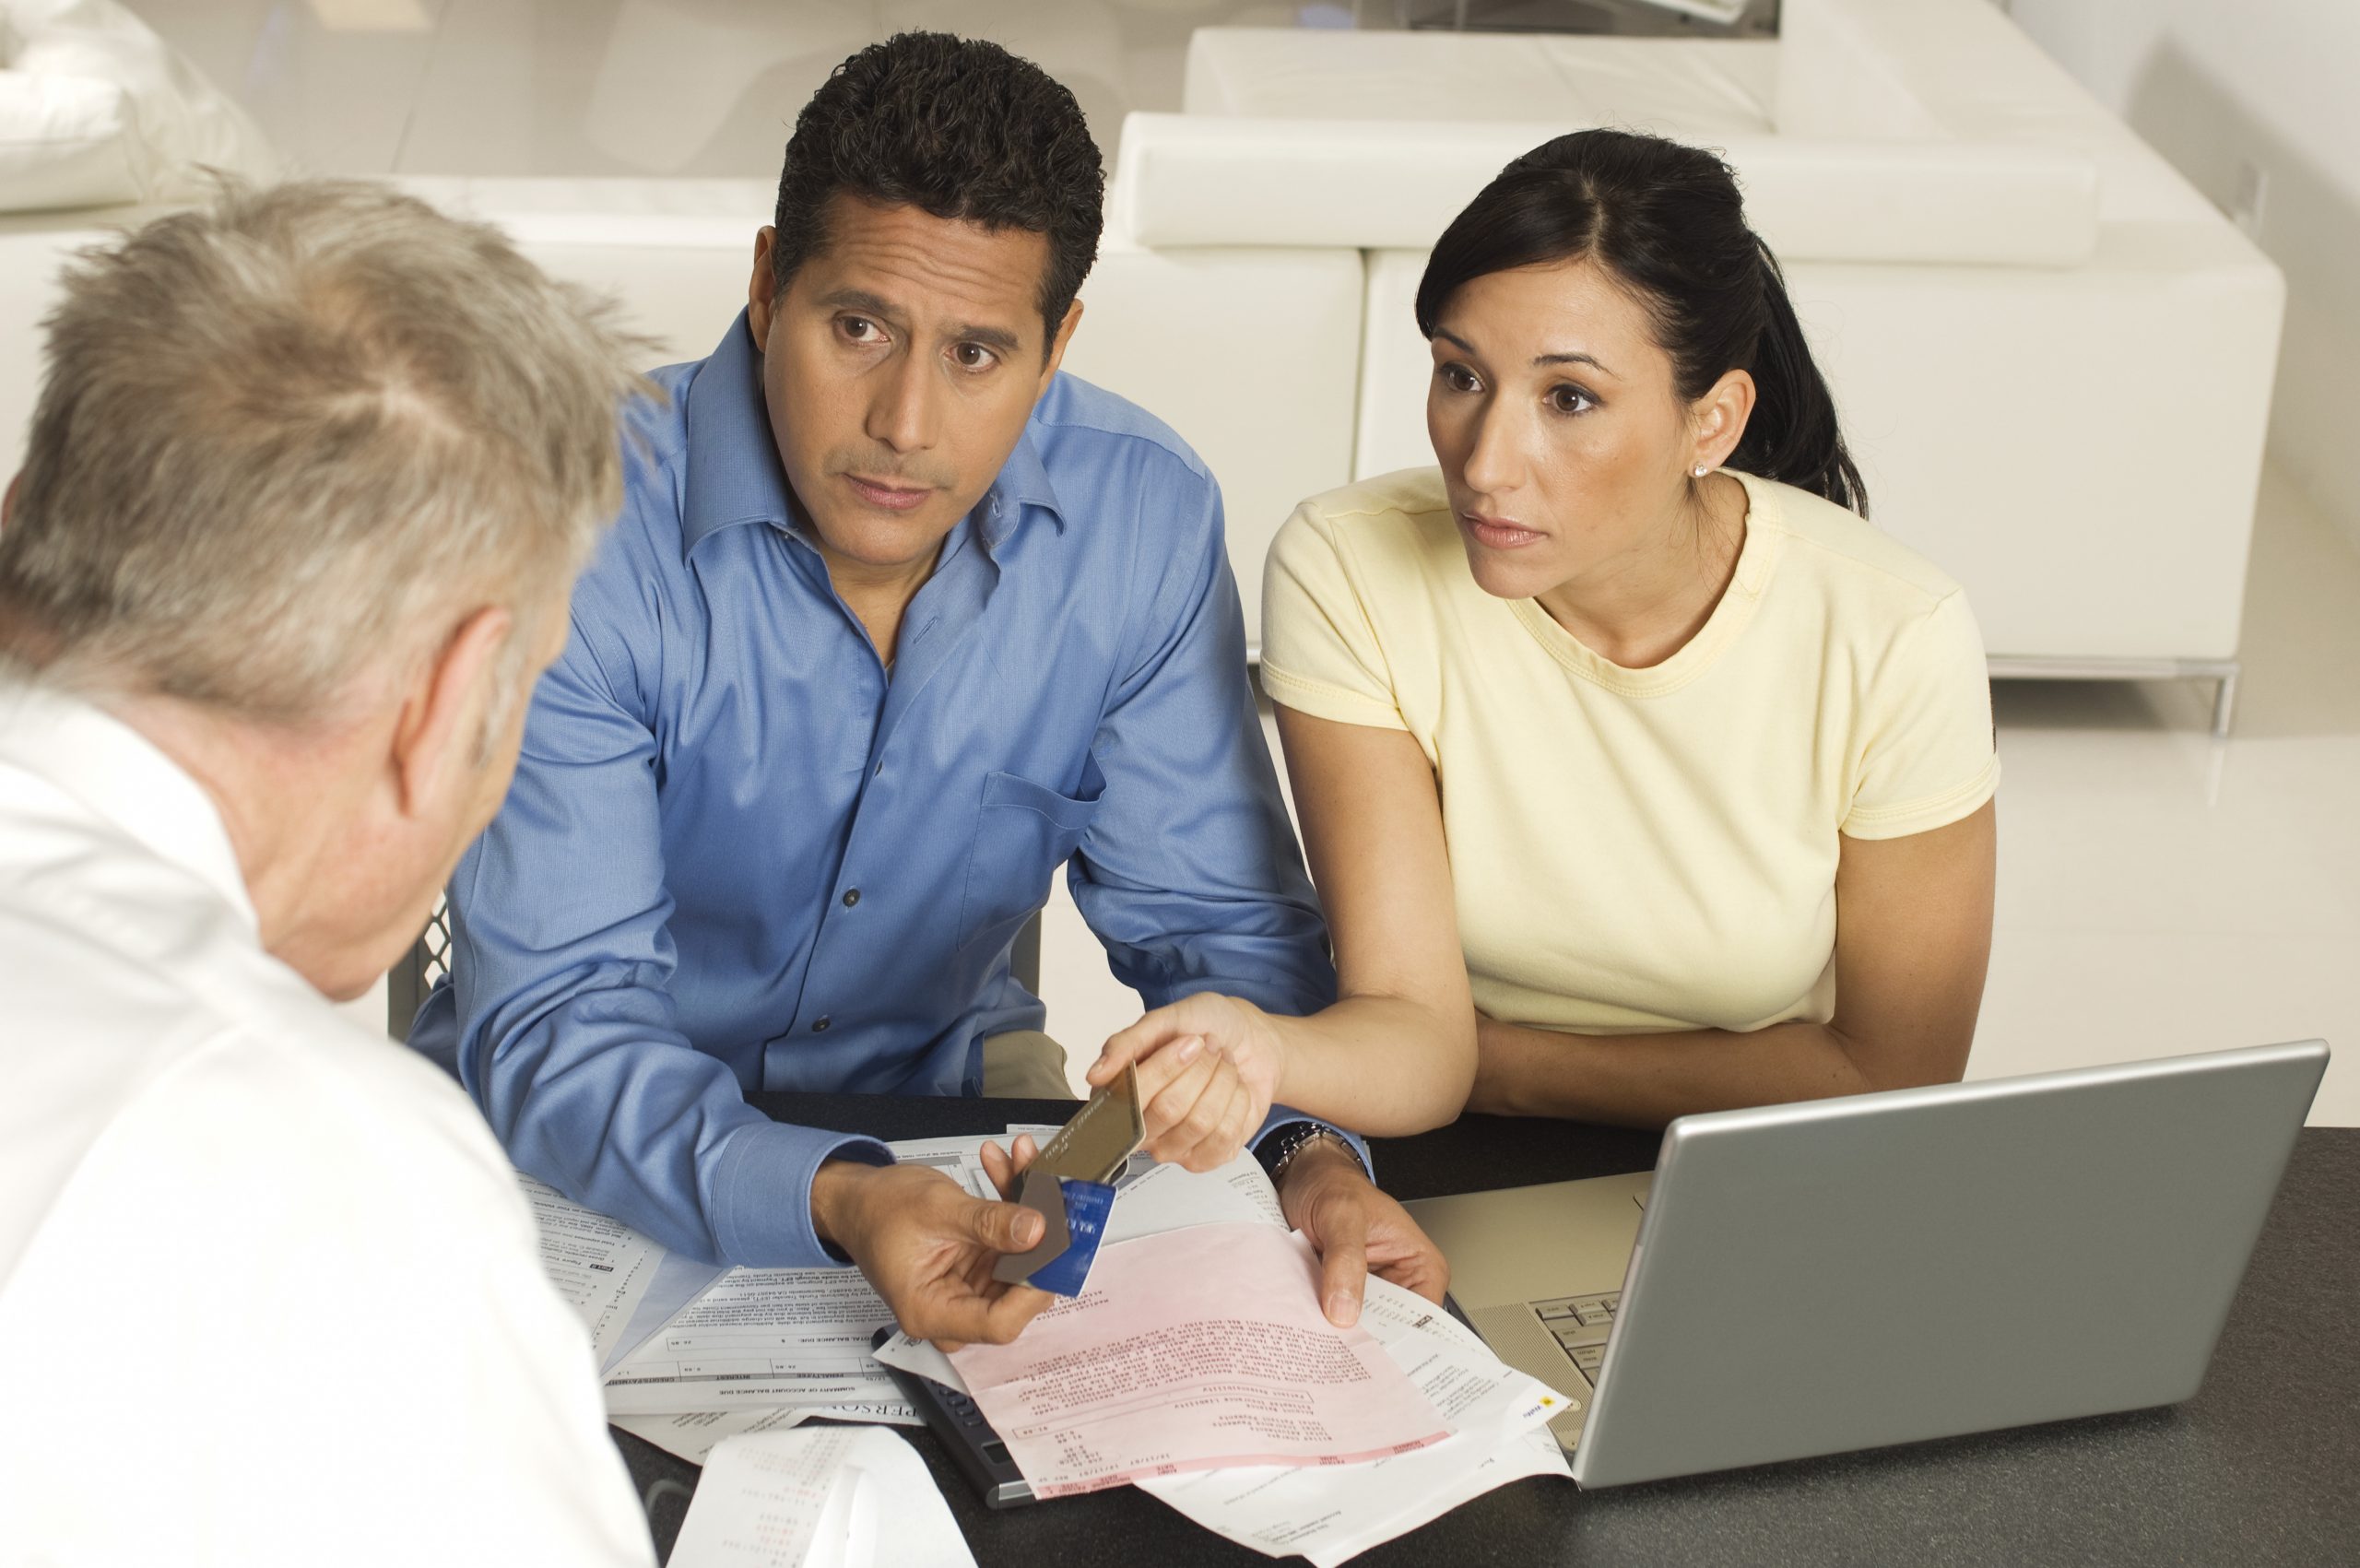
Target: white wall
2221	85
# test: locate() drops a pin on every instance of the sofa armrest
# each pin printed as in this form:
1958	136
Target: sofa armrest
1185	180
1921	70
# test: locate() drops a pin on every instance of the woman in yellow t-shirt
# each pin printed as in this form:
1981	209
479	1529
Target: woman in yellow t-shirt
1639	774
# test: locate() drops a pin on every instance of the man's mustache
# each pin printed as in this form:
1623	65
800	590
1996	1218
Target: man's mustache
888	467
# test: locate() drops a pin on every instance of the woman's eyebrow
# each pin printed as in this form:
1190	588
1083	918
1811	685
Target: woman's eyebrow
1566	357
1572	357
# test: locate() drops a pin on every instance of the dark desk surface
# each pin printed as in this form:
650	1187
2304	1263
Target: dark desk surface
2261	1467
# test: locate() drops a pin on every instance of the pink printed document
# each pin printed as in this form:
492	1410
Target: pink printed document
1191	1350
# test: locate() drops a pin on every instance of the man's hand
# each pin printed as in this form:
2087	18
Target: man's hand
929	1248
1209	1067
1357	1230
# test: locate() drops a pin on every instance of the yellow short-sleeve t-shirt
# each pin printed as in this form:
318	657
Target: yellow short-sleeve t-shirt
1644	850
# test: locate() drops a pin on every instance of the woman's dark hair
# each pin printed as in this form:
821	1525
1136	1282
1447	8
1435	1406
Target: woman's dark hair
958	128
1668	223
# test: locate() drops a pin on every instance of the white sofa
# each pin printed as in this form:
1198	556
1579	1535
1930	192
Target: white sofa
2053	357
1251	352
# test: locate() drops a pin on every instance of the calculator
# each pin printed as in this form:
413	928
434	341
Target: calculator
974	1447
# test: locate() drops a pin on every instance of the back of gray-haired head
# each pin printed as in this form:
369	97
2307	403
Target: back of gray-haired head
289	437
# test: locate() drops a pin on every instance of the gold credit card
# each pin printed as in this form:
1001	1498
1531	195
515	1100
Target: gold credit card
1100	1136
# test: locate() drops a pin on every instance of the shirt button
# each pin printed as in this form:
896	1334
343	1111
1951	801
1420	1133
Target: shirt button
818	1026
852	897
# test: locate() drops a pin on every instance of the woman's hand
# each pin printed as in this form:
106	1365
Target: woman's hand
1209	1068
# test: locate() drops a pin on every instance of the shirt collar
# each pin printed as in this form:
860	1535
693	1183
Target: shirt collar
119	775
733	468
1023	481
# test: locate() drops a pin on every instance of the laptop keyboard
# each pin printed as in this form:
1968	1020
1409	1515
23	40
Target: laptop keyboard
1580	1324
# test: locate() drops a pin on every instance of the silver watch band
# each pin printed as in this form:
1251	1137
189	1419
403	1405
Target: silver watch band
1295	1140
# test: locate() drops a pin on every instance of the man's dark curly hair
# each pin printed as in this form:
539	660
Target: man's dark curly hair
956	127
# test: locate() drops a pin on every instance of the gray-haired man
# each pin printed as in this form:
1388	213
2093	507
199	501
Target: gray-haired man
309	483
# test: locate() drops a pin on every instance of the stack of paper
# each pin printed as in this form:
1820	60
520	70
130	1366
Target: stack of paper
697	1356
1199	1348
1329	1512
747	1351
693	1354
1500	1433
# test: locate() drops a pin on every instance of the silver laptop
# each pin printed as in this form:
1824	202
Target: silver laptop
1844	1274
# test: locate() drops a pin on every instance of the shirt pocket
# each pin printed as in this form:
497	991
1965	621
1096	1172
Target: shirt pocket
1023	833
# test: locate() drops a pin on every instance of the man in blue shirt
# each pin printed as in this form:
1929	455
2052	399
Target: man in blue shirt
896	622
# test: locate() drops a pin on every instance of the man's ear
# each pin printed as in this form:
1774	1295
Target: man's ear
1057	344
442	718
761	287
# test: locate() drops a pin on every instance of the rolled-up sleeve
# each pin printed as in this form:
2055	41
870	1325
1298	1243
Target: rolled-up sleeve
564	1030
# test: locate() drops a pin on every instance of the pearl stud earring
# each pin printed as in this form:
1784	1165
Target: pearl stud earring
1702	470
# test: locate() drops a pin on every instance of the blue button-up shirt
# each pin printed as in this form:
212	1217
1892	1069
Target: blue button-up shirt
741	853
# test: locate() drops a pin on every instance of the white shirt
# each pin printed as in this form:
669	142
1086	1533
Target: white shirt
268	1290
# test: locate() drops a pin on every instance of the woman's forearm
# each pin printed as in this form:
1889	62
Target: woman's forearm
1380	1065
1648	1079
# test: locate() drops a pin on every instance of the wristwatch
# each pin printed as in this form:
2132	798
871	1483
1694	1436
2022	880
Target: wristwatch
1278	1152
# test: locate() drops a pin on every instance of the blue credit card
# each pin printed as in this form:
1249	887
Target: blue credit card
1087	1206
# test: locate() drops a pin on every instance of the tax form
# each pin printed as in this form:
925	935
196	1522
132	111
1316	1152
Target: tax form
696	1433
1190	1349
769	1339
601	1266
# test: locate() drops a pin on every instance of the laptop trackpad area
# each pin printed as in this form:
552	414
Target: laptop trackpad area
1517	1336
1533	1244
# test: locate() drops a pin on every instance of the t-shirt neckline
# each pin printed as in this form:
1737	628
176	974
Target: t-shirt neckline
1755	559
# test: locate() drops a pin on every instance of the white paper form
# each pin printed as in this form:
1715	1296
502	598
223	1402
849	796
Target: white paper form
1151	1198
679	1281
694	1437
759	1338
835	1497
1499	1416
764	1338
961	1158
601	1266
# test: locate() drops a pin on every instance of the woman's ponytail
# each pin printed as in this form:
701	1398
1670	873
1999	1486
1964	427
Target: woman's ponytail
1667	221
1793	436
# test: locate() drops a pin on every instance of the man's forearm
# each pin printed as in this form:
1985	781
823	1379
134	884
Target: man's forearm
1646	1080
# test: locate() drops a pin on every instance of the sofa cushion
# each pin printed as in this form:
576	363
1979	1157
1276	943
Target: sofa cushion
1206	180
95	109
678	254
630	211
64	142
